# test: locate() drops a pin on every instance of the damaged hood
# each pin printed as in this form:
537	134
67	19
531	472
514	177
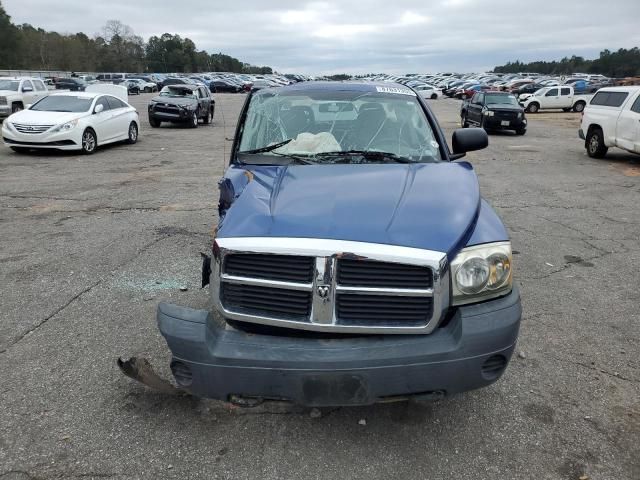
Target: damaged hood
432	206
178	101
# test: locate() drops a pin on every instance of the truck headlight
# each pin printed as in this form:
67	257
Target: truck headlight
65	127
481	272
489	113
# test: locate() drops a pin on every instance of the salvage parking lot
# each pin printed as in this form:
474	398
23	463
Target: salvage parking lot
91	244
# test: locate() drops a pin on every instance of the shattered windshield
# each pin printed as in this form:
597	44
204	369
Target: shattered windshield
177	92
330	126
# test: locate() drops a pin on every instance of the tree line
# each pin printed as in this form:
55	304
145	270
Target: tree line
620	64
115	49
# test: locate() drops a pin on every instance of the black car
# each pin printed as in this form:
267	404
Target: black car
182	104
73	84
529	88
224	86
494	111
132	87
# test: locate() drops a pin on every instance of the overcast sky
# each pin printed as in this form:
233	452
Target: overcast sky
361	36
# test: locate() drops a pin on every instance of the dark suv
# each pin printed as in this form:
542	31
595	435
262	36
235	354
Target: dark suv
494	111
181	104
73	84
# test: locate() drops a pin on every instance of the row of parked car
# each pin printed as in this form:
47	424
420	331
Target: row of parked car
464	86
215	81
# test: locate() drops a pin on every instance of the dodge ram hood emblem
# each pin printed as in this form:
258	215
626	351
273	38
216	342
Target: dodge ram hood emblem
323	291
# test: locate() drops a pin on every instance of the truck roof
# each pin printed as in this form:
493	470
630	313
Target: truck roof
355	86
631	88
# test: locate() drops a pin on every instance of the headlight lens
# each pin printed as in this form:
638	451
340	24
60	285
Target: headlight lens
481	272
489	113
472	275
65	127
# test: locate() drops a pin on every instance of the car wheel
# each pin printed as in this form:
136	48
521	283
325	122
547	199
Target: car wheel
154	122
533	108
133	133
147	90
208	117
578	107
521	131
595	144
19	149
434	96
16	107
194	120
463	121
482	125
89	141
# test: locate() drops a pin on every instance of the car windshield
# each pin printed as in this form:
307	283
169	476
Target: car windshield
330	125
177	92
504	99
63	103
9	85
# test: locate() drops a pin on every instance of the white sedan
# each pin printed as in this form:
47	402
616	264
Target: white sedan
73	121
428	91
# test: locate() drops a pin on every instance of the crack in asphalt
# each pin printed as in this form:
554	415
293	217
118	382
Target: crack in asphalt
596	369
115	209
43	197
85	290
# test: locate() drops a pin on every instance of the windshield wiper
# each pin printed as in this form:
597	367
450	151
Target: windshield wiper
367	154
268	148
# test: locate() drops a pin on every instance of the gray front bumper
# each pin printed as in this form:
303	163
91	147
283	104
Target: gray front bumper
470	352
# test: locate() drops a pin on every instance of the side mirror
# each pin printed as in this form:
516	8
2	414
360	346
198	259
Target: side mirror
467	140
98	108
27	89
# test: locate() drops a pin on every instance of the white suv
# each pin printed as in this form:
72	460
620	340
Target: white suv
612	119
18	92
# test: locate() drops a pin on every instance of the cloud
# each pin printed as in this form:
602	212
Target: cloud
359	37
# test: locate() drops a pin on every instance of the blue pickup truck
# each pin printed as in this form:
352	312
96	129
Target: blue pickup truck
355	261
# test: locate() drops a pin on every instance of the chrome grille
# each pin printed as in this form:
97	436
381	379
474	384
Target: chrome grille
3	100
329	285
289	304
366	273
287	268
354	309
23	128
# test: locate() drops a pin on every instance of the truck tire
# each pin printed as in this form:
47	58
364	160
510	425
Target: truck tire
533	107
193	122
579	106
154	122
16	107
463	120
521	131
595	144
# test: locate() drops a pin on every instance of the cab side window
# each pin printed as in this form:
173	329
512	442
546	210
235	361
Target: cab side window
565	91
39	85
636	105
105	104
552	93
115	103
27	85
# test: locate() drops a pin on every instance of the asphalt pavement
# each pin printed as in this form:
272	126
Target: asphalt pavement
91	244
